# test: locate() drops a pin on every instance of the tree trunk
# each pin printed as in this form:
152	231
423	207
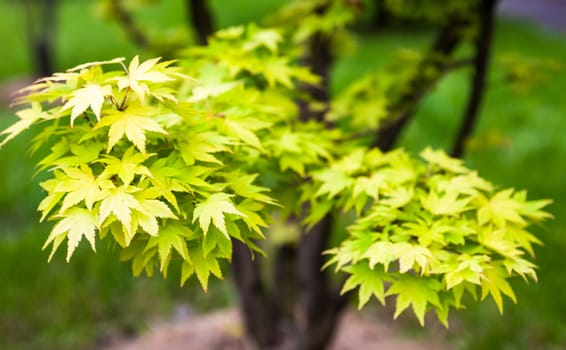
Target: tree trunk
258	311
41	23
201	19
308	304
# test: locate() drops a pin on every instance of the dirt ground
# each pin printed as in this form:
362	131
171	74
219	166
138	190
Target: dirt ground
223	330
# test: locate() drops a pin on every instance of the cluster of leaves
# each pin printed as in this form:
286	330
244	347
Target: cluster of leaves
317	17
164	160
170	163
130	161
256	54
426	231
369	102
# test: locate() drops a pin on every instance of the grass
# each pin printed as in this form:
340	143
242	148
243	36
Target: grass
519	143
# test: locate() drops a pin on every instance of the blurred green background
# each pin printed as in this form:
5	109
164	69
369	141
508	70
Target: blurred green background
519	143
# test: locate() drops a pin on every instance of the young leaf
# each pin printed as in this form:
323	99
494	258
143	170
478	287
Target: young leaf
416	291
27	118
213	209
140	73
370	282
92	95
133	122
75	224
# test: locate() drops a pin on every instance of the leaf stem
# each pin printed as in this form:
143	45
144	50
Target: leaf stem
123	104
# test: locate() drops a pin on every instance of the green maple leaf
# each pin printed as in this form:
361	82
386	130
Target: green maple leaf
211	89
91	95
242	185
243	129
495	283
133	123
370	185
75	224
417	292
202	146
467	268
202	265
369	280
447	204
268	38
146	216
80	67
278	70
127	167
381	252
140	73
120	202
411	255
253	220
440	158
80	184
213	209
171	236
333	182
27	118
500	209
83	153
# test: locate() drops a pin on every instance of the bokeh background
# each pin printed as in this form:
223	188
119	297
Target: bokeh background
520	142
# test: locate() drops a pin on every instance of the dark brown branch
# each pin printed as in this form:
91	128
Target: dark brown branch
427	74
483	43
125	19
201	19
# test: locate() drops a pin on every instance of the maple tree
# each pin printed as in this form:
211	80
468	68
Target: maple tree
192	162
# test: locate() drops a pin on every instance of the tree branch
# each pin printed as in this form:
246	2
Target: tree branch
428	73
478	84
125	19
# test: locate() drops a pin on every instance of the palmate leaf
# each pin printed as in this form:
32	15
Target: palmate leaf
369	280
126	168
80	185
495	283
172	236
75	224
418	292
202	146
502	208
146	216
91	95
141	74
213	209
27	117
202	265
119	202
133	123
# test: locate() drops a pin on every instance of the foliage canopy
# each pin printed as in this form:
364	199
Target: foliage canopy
170	161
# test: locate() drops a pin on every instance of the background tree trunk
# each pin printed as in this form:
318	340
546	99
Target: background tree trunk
41	26
201	19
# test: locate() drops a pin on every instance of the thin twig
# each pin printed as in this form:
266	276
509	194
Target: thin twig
125	19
